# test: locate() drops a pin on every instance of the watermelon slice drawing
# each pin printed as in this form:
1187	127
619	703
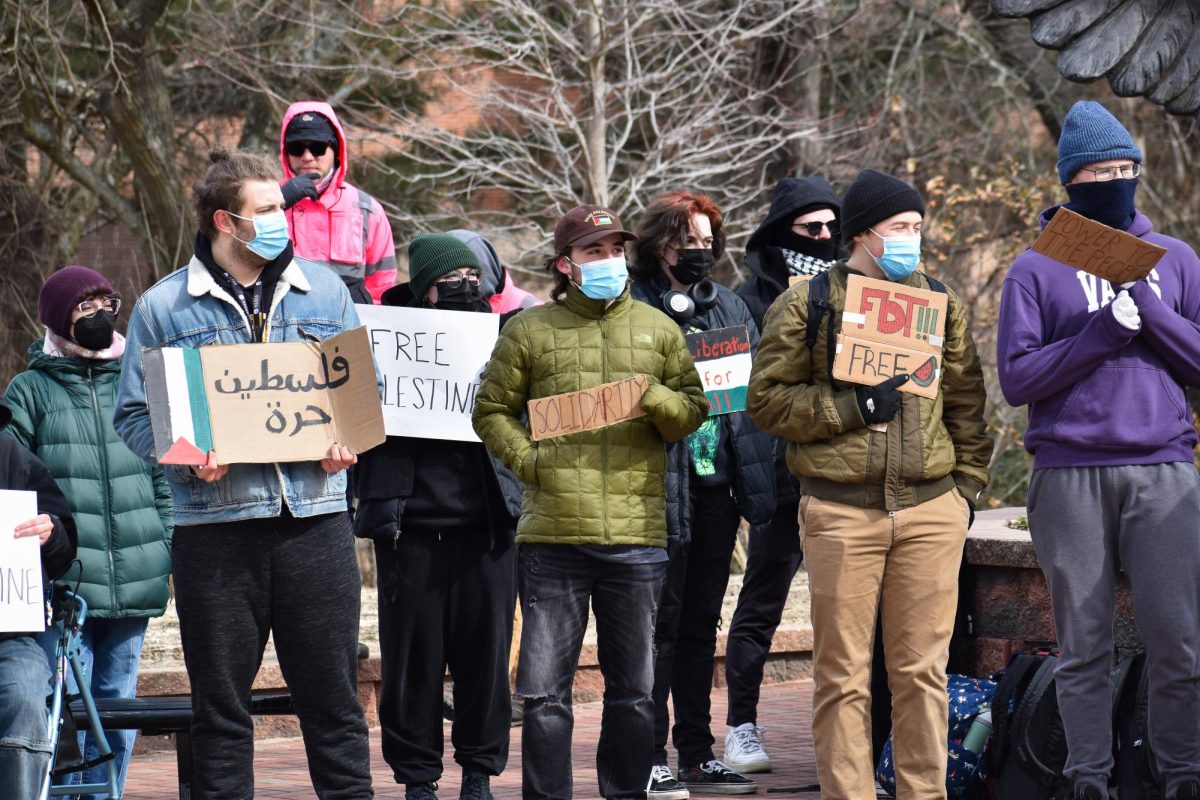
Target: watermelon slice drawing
925	374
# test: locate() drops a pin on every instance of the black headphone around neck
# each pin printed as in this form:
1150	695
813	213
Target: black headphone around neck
682	306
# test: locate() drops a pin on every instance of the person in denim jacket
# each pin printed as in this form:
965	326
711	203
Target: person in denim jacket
259	549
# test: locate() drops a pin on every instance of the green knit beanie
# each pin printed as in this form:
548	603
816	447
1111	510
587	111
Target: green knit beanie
432	255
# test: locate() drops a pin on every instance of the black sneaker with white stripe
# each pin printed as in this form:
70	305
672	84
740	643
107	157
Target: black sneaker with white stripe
713	777
663	786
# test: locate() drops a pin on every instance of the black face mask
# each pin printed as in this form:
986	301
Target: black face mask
824	249
1108	202
95	332
693	265
466	296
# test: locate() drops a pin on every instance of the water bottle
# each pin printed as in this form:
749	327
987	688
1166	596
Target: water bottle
980	730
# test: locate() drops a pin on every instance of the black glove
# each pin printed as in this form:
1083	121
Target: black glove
300	187
971	508
880	403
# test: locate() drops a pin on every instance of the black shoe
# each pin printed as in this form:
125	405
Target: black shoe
475	786
1088	791
1188	789
663	786
420	791
713	777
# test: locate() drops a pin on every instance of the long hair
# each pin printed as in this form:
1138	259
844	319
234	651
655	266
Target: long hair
561	281
666	222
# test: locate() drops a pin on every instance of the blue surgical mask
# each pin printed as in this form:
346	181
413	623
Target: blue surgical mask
604	279
270	234
901	255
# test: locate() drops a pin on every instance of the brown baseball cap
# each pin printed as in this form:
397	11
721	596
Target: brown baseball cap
584	225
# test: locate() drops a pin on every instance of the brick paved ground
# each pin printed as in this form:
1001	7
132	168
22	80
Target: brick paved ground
281	770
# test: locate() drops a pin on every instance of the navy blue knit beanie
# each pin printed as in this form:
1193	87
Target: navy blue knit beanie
1091	134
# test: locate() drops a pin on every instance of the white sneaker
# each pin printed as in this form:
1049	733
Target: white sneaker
663	786
744	750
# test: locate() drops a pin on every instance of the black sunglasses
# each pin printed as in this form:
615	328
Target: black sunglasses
296	149
813	229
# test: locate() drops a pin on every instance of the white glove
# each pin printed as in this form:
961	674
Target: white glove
1125	311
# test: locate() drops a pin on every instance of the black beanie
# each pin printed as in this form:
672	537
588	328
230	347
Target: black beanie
875	196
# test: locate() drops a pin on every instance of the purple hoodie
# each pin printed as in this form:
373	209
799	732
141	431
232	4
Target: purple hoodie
1098	393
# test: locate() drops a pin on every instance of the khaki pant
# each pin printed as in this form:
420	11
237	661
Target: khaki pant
907	561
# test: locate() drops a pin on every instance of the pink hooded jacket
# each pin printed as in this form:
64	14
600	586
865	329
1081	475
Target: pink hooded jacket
346	230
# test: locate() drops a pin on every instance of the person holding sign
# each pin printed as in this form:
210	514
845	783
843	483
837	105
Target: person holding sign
616	374
798	239
442	514
888	479
24	671
62	411
1102	369
719	474
259	548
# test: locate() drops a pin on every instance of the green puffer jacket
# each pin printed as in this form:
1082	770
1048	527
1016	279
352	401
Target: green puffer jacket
602	486
62	411
930	447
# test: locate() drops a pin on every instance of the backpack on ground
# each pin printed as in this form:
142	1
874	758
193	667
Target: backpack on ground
965	776
1029	748
1136	767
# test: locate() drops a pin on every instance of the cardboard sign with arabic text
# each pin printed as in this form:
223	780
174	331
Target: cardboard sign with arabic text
889	329
262	403
598	407
1097	249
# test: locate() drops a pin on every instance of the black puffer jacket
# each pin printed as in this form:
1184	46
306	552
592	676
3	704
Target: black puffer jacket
753	450
769	277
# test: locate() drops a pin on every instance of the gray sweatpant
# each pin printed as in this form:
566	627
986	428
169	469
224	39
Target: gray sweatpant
1088	523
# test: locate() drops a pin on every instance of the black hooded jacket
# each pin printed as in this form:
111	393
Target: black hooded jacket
769	279
405	473
753	450
21	470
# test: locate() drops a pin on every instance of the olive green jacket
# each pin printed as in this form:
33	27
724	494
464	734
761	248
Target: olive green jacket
930	447
603	486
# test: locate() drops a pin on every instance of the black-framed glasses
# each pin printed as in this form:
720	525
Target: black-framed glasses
89	308
1125	171
454	280
813	229
296	149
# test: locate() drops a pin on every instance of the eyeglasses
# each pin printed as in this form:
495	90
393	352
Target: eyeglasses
296	149
813	229
1126	171
455	279
89	308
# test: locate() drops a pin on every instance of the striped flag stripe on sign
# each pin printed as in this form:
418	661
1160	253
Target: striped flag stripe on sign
178	407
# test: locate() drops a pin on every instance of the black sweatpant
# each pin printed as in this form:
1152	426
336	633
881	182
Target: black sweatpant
238	582
445	599
771	565
689	613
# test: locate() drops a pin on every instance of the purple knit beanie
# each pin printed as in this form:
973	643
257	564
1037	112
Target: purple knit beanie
66	289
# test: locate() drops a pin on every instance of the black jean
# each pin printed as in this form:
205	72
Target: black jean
771	566
445	600
689	614
238	582
557	581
